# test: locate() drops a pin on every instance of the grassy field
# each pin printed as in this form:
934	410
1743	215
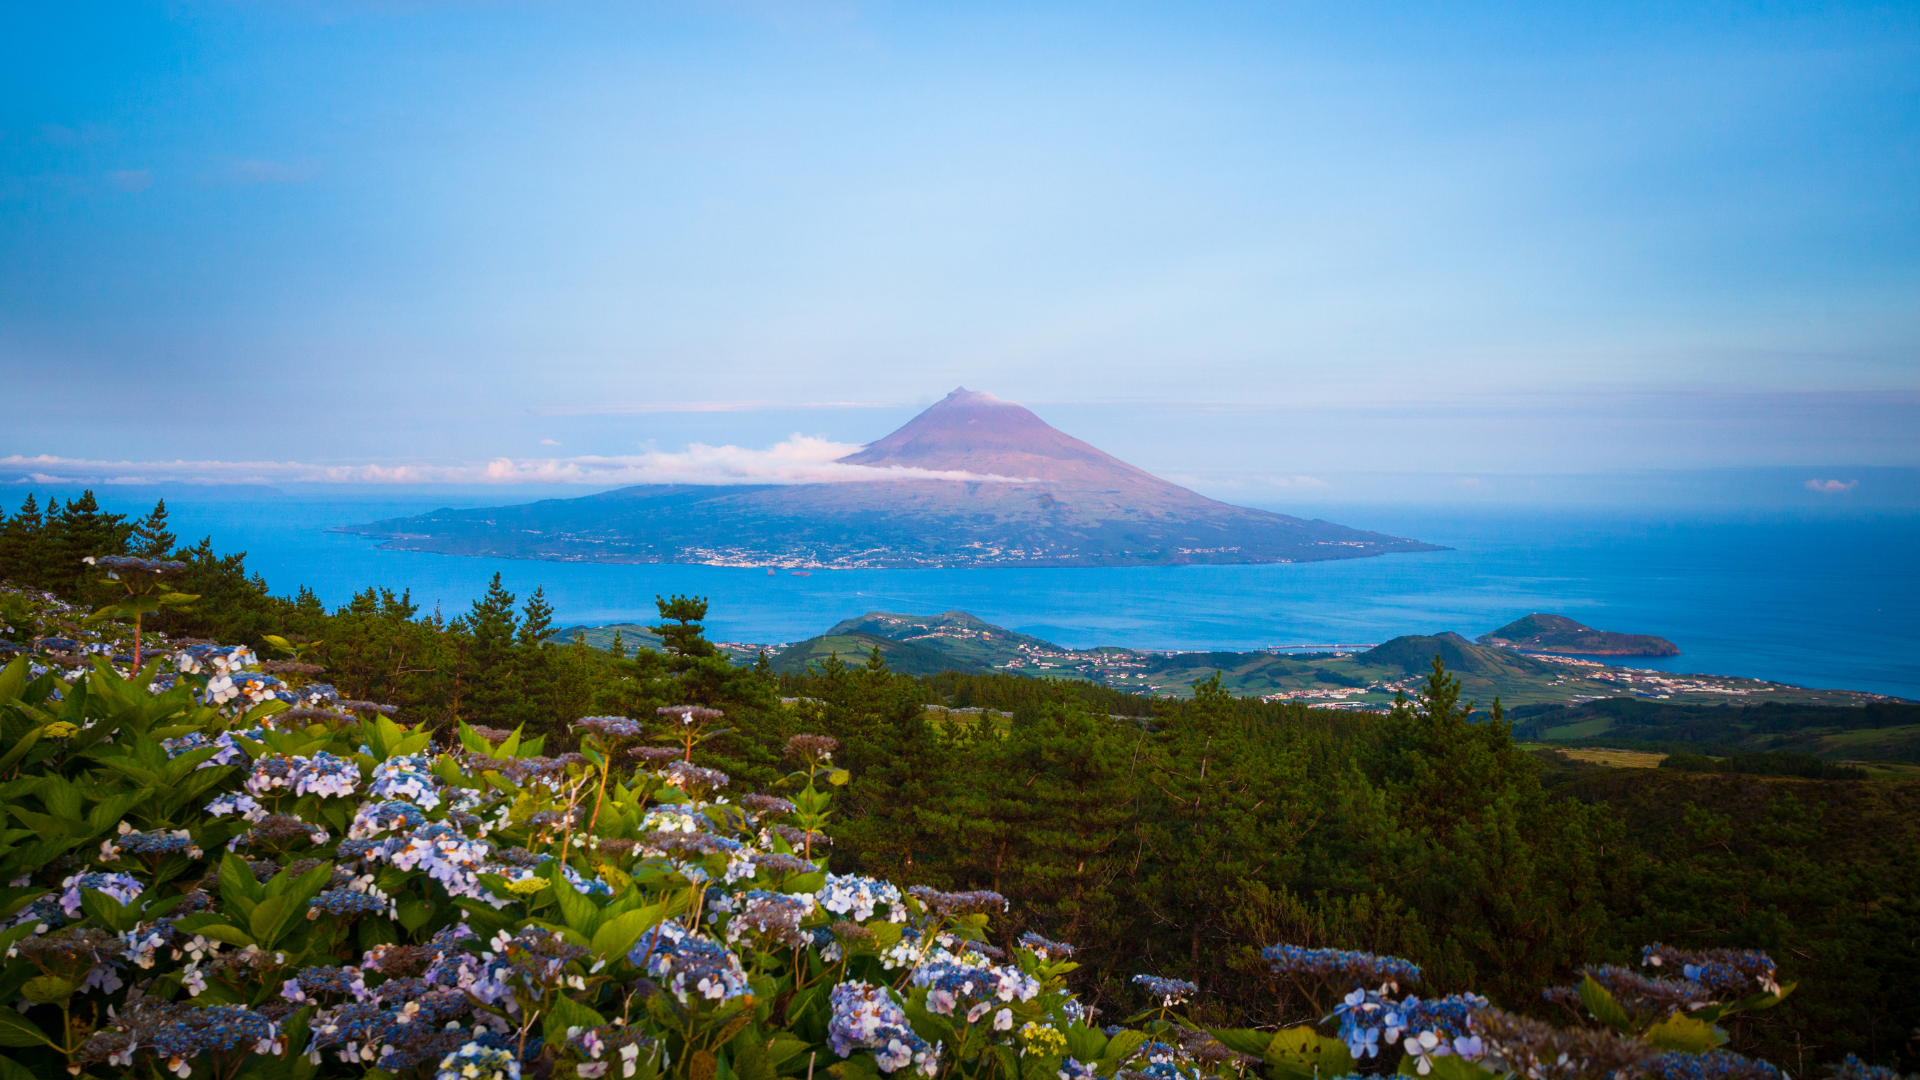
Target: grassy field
1618	759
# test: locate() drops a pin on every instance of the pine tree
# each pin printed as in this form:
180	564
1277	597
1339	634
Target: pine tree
80	530
618	646
21	537
536	619
680	629
151	540
493	697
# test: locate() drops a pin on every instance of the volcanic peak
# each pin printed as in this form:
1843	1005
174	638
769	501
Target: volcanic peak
971	431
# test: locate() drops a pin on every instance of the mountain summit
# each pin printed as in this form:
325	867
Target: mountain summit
1028	495
968	431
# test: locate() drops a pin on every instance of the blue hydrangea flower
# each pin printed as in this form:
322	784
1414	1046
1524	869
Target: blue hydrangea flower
865	1017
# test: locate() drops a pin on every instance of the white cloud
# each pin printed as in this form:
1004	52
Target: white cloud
799	460
1832	487
549	442
703	406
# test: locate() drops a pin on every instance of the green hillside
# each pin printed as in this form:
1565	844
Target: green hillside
1879	731
636	636
853	649
969	642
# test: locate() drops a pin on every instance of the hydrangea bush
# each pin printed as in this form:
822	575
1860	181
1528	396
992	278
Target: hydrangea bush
212	872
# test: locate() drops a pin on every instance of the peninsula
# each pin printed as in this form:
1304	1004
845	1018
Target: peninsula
1028	495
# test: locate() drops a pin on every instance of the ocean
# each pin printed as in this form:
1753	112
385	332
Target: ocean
1814	601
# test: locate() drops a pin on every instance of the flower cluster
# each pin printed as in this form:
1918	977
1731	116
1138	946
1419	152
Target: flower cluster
689	963
1540	1051
322	774
967	980
1045	949
857	897
1712	1065
1733	972
977	901
1170	992
772	916
1340	966
605	1047
133	843
214	659
611	727
122	887
406	777
1638	994
226	751
476	1062
865	1017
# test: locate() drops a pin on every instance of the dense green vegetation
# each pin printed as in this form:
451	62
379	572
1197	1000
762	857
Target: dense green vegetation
1878	731
1181	836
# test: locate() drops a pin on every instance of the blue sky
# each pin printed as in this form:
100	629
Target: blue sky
1236	244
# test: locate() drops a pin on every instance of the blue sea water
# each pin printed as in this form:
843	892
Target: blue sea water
1811	601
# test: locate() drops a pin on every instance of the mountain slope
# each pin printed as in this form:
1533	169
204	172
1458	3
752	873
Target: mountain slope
1047	500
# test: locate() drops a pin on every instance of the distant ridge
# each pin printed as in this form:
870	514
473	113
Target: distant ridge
1066	504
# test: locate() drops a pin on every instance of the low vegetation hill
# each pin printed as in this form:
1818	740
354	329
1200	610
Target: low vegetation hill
1541	632
1879	731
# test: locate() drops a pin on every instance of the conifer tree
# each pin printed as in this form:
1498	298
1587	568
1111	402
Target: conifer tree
494	696
150	539
536	619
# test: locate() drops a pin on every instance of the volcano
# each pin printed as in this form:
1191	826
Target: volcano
1015	492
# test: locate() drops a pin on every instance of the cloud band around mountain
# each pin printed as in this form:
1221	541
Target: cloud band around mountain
798	460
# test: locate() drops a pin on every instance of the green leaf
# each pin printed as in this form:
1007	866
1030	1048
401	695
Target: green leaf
1085	1042
1600	1004
805	883
862	1067
107	911
11	1071
232	935
1119	1048
61	798
473	741
19	749
1244	1040
785	1048
414	914
568	1013
1678	1032
580	913
13	679
47	990
236	874
17	1030
1301	1053
617	935
268	917
751	1060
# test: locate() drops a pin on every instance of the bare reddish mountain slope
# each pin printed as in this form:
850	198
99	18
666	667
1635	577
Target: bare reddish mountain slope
973	432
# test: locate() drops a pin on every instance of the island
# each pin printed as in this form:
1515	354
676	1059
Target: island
973	481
